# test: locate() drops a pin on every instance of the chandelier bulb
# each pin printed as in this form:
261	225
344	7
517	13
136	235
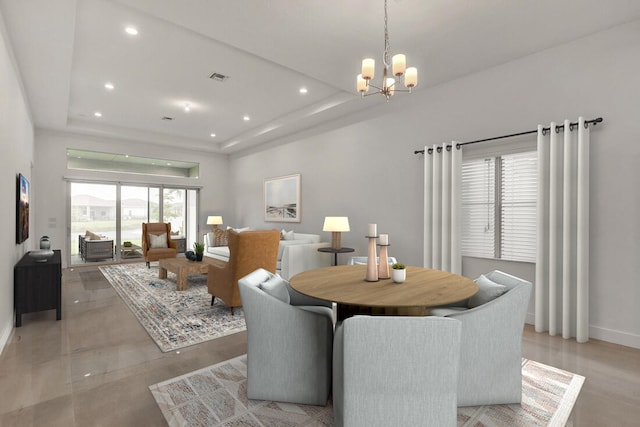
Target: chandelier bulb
399	62
362	85
368	68
411	77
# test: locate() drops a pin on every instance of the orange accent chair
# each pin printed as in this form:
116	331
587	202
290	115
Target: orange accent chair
154	247
248	251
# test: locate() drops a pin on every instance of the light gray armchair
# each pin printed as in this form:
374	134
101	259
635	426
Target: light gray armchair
491	348
289	341
396	371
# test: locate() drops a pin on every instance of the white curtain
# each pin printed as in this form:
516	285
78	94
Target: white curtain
442	181
562	261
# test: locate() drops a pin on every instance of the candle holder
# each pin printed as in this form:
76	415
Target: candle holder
372	267
383	264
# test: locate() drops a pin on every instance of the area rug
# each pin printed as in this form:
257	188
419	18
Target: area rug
217	396
174	319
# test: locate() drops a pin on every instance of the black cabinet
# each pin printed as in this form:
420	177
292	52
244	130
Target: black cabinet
37	285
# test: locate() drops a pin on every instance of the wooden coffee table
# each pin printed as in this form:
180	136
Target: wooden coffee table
182	268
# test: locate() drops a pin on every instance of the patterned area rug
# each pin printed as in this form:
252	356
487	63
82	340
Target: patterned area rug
217	396
174	319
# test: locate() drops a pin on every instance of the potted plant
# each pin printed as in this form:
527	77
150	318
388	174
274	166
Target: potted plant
399	272
127	244
199	249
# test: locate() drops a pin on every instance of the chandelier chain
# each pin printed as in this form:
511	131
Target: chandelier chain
386	38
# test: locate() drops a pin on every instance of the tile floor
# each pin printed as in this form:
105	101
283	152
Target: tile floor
93	367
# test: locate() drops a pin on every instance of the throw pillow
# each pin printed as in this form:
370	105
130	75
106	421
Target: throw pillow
158	241
239	230
277	288
91	236
289	235
488	290
219	237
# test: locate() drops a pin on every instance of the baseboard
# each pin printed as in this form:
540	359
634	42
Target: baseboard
603	334
616	337
6	333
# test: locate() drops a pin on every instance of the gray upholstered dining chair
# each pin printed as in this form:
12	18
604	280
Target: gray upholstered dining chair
396	371
289	341
491	346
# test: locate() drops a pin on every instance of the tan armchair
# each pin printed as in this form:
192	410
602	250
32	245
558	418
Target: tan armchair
157	229
248	251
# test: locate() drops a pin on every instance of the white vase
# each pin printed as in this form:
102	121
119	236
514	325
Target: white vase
398	275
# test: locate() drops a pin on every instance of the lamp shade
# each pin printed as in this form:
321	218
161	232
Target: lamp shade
336	223
214	220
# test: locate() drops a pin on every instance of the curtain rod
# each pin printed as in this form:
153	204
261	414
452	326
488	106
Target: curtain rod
544	131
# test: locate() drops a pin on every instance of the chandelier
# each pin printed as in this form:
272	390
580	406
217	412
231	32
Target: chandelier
390	74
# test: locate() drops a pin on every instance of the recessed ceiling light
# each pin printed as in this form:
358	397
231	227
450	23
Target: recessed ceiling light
303	90
168	164
213	135
131	31
97	114
246	118
187	107
109	86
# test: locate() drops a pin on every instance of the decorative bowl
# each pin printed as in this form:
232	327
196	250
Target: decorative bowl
41	255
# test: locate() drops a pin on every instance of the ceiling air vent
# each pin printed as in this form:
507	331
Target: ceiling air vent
218	77
167	118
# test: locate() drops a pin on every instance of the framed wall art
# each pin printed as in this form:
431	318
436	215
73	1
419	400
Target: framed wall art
282	199
22	209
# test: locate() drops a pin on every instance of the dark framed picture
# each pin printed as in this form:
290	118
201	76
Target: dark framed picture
22	209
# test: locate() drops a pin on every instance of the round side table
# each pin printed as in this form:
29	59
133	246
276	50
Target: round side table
335	252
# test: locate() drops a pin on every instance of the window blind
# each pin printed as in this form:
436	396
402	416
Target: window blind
499	207
478	208
519	189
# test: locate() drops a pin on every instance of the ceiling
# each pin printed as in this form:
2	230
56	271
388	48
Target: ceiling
67	50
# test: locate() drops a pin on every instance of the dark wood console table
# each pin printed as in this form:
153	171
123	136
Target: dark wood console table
37	285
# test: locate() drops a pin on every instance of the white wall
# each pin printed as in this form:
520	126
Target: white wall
50	172
368	171
16	155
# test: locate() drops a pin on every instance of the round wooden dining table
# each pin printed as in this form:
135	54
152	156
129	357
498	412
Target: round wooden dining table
346	286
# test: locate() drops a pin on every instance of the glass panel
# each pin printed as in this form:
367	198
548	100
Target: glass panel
192	221
174	209
124	163
154	204
134	211
93	208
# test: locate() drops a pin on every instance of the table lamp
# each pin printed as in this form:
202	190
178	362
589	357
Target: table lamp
214	220
336	225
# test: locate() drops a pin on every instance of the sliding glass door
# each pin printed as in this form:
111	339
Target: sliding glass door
137	205
93	209
117	211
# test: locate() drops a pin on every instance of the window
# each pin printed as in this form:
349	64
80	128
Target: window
94	207
119	163
499	207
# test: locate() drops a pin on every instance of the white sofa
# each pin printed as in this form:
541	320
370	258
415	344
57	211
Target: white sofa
297	253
